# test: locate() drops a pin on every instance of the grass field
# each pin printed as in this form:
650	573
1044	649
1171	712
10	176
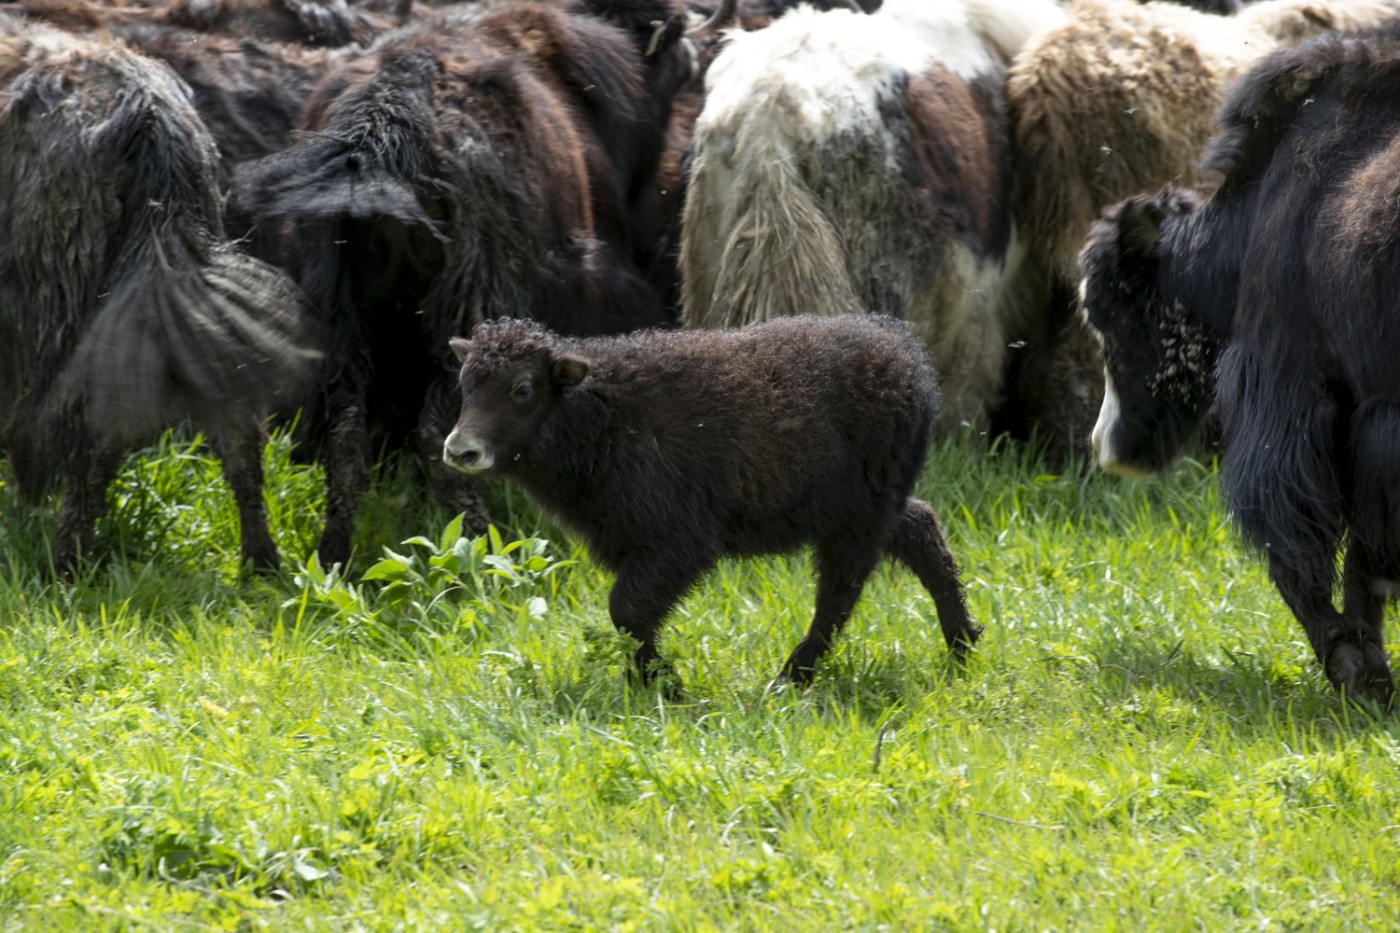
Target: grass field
1142	741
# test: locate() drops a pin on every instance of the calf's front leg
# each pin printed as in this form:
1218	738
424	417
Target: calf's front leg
649	583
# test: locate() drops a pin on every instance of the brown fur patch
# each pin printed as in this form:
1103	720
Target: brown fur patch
959	157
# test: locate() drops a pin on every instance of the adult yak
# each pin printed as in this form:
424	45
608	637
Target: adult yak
1278	297
472	166
123	307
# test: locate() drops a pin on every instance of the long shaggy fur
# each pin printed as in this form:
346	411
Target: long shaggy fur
1290	267
314	22
1122	98
847	163
472	166
124	307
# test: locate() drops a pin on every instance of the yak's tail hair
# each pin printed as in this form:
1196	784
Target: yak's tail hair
199	332
326	176
139	314
758	246
367	166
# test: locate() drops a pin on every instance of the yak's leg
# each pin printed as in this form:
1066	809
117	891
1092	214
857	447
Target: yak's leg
1364	605
240	449
1374	530
90	471
648	584
1336	640
347	462
842	568
918	543
458	492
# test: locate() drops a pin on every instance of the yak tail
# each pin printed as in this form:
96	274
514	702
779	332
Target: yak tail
332	175
368	168
189	330
758	246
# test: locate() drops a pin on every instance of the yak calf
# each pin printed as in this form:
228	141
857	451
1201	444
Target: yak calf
668	450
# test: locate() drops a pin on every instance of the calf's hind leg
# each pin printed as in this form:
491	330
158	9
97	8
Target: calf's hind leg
918	543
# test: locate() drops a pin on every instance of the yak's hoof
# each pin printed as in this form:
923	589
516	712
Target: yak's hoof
1360	672
1379	684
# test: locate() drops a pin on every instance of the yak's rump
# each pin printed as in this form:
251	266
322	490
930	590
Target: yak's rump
123	309
119	295
850	163
472	166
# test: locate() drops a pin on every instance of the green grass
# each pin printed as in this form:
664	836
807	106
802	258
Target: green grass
1142	741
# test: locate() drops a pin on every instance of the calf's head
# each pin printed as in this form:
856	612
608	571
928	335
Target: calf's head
513	373
1158	357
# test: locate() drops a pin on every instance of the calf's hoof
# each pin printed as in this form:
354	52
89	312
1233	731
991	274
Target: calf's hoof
653	673
262	560
794	675
965	644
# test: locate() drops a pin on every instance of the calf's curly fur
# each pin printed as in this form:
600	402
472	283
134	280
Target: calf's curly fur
668	450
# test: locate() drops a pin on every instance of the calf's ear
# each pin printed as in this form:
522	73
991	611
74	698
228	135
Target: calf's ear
567	370
459	347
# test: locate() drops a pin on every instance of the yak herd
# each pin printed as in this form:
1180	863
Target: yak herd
222	213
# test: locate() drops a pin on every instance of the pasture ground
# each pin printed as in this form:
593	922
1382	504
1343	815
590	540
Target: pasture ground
1142	741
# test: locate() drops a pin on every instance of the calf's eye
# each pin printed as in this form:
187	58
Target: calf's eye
522	391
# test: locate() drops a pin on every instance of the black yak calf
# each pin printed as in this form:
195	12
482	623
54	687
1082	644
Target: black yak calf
669	450
122	307
1279	298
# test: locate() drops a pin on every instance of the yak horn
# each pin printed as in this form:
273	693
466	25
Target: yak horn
720	17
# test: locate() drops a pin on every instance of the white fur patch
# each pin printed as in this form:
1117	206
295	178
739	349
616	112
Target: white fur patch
1109	414
831	67
457	445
